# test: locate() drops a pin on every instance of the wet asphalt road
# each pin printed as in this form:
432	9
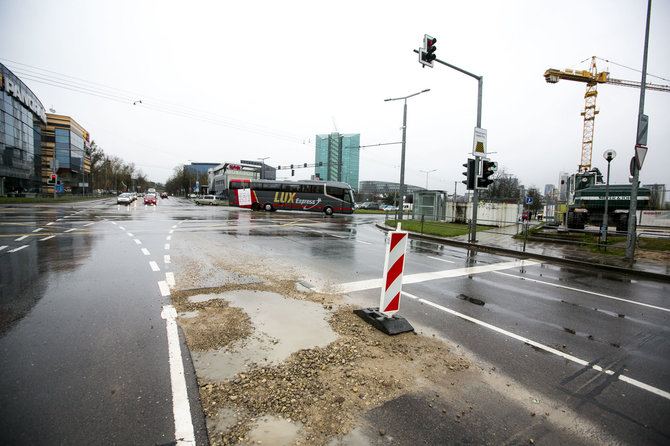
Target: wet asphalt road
84	351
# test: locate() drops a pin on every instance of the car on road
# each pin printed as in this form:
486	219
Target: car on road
388	208
124	198
369	205
164	195
150	199
206	199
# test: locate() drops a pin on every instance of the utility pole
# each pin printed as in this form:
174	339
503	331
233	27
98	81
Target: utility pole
641	140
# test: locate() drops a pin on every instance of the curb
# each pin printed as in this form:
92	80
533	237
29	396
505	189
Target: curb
527	255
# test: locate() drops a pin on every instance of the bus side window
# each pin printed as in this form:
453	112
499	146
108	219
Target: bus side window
290	187
336	192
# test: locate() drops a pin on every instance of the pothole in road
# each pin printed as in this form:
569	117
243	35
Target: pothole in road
282	326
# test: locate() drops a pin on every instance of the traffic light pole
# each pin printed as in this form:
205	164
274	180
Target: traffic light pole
475	195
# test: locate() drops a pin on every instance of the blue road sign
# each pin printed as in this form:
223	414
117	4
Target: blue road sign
529	200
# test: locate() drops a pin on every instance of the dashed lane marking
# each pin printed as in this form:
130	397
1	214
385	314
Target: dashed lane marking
167	246
71	230
145	251
47	238
166	259
23	237
137	241
154	266
3	247
164	288
38	229
571	358
18	249
169	278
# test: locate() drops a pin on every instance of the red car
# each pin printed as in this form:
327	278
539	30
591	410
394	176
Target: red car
150	199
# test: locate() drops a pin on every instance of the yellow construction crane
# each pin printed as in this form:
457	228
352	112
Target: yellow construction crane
592	78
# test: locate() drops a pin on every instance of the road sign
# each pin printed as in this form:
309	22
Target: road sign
479	142
394	264
529	200
640	153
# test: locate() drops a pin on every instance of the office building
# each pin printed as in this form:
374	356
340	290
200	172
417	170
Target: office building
65	152
338	157
21	118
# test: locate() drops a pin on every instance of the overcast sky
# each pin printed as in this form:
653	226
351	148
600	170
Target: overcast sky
222	81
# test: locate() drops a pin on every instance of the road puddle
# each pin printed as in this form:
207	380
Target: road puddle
275	431
282	326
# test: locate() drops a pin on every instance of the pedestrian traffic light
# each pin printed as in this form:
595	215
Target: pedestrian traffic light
488	168
427	52
469	174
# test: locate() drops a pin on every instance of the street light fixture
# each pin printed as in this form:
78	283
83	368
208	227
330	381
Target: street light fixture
401	190
609	155
427	172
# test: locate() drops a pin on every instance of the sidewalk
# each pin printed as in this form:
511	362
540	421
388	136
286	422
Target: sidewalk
502	240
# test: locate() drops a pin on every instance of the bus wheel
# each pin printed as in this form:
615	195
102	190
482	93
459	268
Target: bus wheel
255	207
328	210
268	207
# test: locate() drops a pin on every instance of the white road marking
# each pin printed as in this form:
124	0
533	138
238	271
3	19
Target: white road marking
145	251
3	247
50	223
444	274
47	238
138	242
23	237
586	292
71	229
38	229
167	246
18	249
169	278
173	227
88	224
171	231
130	234
440	259
365	243
181	410
582	362
166	259
154	266
164	288
122	228
168	238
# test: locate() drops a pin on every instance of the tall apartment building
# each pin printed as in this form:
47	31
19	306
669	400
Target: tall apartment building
338	157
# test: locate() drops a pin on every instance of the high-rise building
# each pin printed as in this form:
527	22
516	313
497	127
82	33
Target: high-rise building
338	157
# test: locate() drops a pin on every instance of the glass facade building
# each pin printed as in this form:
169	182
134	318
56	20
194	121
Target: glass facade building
338	157
21	117
65	152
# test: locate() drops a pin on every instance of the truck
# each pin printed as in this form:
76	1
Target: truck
586	201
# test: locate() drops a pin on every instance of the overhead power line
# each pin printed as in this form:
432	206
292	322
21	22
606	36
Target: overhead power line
82	86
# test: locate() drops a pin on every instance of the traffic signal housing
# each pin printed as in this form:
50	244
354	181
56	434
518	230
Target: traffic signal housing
488	169
427	52
53	179
469	173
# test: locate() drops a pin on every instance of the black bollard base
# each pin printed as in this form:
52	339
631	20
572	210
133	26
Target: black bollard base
390	325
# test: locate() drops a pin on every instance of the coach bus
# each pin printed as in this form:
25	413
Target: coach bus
328	197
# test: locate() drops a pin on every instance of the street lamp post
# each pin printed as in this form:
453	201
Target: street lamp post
609	155
401	190
427	172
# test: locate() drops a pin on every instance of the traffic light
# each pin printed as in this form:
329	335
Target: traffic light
488	168
53	179
469	174
427	52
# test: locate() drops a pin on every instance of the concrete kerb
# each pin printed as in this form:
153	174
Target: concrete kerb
528	255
